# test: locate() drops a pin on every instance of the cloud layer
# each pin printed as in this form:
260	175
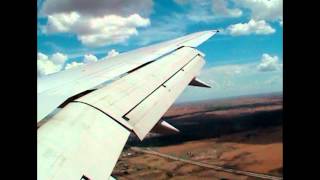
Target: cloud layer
228	80
263	9
260	27
48	65
97	23
73	65
269	63
261	13
96	31
112	53
58	62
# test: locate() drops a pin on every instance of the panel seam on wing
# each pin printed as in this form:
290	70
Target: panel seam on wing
122	123
181	69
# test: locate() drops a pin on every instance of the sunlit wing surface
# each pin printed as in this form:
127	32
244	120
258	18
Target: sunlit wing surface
86	137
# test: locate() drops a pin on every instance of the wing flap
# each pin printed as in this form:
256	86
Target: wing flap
148	113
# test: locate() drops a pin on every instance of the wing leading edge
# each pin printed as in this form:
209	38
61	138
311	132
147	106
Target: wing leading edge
87	136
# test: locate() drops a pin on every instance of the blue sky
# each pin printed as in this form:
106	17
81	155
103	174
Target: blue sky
244	58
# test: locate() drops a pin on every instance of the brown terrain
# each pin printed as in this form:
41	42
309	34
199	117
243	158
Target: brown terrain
243	133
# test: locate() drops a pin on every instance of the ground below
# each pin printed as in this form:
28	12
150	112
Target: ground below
243	133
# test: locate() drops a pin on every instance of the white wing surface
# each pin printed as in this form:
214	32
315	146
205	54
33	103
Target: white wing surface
85	138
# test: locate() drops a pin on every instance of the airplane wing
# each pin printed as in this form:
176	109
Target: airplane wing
84	139
56	88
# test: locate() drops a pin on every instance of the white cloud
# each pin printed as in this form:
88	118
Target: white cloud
252	27
112	53
59	58
263	9
209	10
269	63
89	58
73	65
97	31
112	29
47	65
97	23
61	22
234	80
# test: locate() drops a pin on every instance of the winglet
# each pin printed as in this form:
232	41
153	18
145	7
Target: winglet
199	83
